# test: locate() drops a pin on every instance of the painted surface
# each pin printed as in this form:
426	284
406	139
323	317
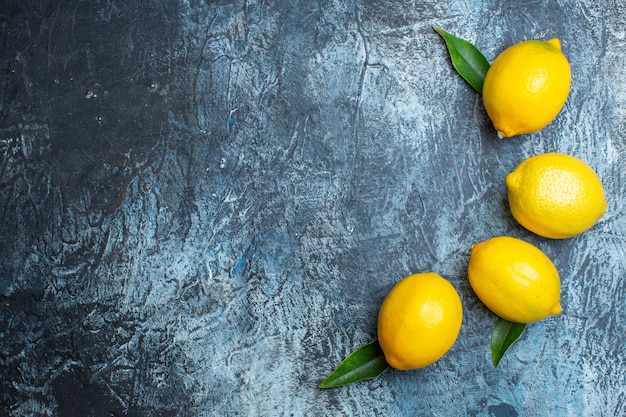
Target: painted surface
203	204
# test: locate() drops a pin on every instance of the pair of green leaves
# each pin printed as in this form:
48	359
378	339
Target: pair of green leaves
368	361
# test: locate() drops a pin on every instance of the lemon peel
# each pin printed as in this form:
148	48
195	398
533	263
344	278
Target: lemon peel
526	87
419	321
514	279
555	195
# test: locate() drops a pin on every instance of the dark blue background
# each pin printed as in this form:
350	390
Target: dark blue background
204	203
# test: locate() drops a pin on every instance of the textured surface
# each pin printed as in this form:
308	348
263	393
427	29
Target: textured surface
204	203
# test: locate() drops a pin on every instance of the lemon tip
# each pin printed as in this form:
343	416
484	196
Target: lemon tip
511	180
556	310
555	42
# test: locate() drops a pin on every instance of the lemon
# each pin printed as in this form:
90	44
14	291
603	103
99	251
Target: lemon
419	321
514	279
526	86
555	195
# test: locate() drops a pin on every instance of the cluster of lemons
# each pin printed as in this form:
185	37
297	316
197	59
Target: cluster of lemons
553	195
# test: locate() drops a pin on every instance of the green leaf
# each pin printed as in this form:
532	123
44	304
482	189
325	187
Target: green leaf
366	362
505	333
466	59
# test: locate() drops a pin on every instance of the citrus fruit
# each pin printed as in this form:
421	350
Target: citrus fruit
526	86
514	279
555	195
419	321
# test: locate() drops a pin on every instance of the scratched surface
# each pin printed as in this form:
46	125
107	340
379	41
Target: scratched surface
203	204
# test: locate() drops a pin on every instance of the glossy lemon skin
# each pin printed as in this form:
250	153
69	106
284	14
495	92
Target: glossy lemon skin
514	279
555	195
526	87
419	321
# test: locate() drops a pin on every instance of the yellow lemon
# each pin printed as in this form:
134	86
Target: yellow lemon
526	87
555	195
514	279
419	321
